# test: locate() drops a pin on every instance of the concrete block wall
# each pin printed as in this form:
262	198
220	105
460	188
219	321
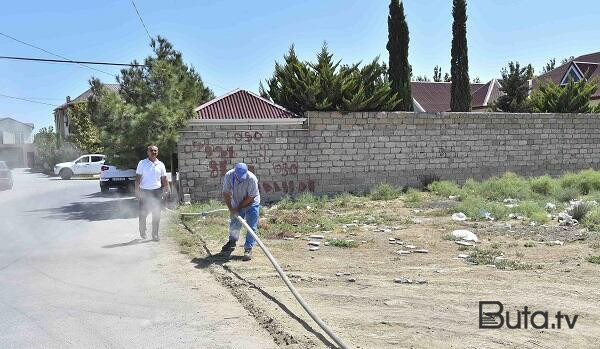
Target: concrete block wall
333	152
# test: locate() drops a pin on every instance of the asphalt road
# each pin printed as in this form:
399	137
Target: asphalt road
73	274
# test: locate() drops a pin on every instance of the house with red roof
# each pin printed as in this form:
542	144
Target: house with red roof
240	107
586	67
434	97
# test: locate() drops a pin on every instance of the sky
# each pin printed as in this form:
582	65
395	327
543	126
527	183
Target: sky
234	44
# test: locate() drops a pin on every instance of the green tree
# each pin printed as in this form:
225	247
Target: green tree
328	85
460	91
549	66
437	74
422	78
515	86
574	97
84	132
397	46
153	103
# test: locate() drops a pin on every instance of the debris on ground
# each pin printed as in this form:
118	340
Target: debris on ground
550	206
464	243
465	235
459	217
403	280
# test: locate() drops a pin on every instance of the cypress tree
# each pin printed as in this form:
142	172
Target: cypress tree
460	91
397	46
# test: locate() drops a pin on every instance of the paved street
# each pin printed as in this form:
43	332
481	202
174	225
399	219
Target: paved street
73	275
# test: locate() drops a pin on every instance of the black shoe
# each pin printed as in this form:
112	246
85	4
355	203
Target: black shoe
229	246
247	254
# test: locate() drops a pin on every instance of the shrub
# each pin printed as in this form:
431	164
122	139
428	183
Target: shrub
584	182
592	219
444	188
413	198
342	243
563	194
385	191
543	185
579	211
593	259
472	206
508	185
531	210
301	201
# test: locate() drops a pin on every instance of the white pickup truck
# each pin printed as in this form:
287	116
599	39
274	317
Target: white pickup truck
112	177
89	164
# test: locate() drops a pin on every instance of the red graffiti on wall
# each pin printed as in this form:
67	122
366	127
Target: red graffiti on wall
248	136
285	168
217	169
288	186
219	152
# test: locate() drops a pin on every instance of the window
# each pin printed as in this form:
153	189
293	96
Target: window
97	158
83	160
573	74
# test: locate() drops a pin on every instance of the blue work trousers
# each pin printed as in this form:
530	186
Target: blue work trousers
250	214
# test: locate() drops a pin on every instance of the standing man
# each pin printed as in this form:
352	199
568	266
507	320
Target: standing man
150	184
241	195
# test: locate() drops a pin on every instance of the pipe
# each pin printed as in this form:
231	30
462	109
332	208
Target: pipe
287	282
202	213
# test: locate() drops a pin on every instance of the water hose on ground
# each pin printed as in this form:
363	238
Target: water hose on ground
287	282
283	276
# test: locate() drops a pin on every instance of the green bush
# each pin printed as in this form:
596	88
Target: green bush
593	259
413	198
472	206
592	219
579	211
301	201
543	185
508	185
567	194
532	210
444	188
343	243
385	191
584	181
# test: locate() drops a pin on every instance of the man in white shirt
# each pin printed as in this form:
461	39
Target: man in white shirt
150	184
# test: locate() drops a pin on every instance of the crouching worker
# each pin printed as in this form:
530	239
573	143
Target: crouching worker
241	195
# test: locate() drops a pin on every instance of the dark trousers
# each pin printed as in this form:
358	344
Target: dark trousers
150	202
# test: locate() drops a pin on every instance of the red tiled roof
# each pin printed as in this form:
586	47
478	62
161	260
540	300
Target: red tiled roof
242	104
435	96
588	65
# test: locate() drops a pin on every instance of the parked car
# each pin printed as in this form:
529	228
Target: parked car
113	177
89	164
6	179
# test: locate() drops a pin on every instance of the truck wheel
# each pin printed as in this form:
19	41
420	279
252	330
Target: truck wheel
66	173
104	188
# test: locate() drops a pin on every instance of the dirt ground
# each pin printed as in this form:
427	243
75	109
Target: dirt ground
367	309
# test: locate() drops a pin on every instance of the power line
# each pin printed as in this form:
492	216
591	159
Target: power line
28	100
53	54
69	61
141	20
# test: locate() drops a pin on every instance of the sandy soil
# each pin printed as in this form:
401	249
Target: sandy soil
369	310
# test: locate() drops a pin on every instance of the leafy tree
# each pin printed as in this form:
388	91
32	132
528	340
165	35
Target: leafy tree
530	71
437	74
447	78
397	46
574	97
153	103
549	66
460	90
567	60
422	78
328	85
49	153
515	86
477	80
84	133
